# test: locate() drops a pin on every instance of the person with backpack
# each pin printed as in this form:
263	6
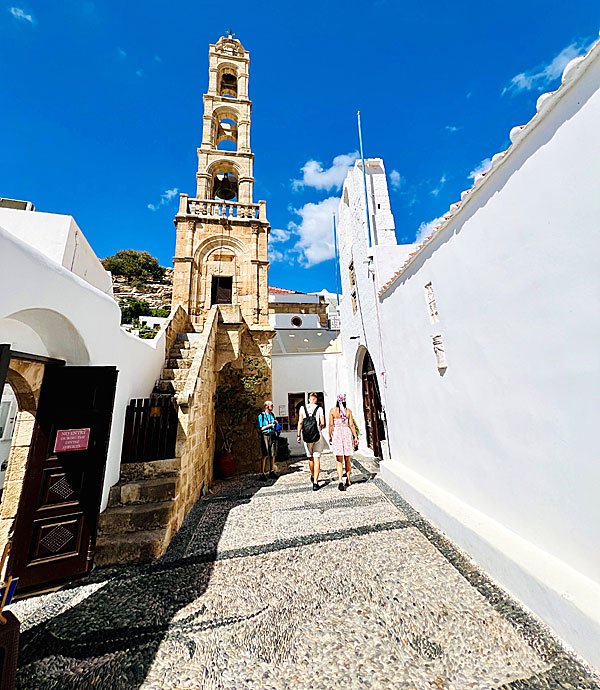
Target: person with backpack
269	429
310	422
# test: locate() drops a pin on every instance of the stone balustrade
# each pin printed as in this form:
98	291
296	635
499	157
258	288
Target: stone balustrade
217	208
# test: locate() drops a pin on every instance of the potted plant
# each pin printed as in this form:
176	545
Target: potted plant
232	407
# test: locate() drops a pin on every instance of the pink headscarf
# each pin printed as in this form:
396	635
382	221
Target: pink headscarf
342	405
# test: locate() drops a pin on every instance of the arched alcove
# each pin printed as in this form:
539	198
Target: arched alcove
218	266
227	80
58	334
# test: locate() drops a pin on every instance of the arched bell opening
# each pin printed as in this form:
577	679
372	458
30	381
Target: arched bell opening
225	186
228	85
226	134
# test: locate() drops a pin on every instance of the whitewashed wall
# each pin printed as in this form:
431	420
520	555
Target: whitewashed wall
501	451
58	237
47	310
297	373
359	332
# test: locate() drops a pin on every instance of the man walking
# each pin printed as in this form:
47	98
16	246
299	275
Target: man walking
310	422
267	425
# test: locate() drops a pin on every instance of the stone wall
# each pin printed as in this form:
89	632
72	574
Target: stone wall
25	378
253	363
158	294
196	434
319	308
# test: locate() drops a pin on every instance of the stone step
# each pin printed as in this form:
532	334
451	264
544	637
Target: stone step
178	353
174	374
135	518
130	547
143	491
186	345
165	387
134	471
170	386
179	363
190	337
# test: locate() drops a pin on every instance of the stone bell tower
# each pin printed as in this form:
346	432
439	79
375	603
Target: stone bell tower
221	254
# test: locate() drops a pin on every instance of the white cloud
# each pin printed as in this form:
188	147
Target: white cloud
315	231
157	58
278	235
275	255
165	197
140	72
122	54
426	228
314	175
484	166
542	76
396	179
438	189
18	13
452	128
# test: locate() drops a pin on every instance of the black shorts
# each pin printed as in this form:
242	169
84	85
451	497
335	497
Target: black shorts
268	444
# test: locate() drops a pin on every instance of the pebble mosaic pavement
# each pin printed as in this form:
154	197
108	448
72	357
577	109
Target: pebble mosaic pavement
270	587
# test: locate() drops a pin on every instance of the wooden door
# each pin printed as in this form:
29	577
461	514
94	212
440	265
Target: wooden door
221	290
55	528
371	407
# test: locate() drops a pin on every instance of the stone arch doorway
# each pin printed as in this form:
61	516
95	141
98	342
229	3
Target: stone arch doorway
372	407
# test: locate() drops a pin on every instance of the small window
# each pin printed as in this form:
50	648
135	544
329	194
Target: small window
353	287
431	303
296	322
221	290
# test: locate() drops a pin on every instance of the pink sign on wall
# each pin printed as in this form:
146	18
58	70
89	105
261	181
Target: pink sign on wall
71	439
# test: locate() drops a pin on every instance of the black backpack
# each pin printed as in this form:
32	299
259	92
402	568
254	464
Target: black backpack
310	427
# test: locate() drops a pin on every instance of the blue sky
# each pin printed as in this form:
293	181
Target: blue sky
101	107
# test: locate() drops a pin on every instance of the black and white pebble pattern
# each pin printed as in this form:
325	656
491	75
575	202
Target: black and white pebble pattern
269	587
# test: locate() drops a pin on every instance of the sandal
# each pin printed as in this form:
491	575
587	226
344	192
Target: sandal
341	487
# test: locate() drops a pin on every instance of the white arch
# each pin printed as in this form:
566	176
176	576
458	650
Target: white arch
58	334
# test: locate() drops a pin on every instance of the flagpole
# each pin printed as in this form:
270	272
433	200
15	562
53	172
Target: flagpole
362	157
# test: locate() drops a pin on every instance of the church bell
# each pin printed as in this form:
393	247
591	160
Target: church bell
225	187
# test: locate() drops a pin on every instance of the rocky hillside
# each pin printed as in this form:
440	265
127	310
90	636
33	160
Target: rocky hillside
156	294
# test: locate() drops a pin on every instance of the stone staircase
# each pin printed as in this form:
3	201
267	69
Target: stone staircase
136	526
175	371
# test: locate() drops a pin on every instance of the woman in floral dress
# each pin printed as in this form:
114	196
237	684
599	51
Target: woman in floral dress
342	438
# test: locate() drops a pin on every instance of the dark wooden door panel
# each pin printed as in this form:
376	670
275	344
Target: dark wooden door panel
55	529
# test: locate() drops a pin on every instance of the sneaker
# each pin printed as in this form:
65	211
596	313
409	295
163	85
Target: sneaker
273	475
341	487
262	477
316	486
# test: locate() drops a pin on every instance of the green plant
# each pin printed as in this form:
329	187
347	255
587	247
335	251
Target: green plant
147	332
131	263
356	428
233	404
132	309
236	398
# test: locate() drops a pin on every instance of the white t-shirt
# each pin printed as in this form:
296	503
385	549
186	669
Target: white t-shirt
311	407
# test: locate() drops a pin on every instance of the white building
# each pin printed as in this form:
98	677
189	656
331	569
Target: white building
306	355
61	350
484	343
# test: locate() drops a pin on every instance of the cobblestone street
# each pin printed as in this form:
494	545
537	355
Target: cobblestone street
273	586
